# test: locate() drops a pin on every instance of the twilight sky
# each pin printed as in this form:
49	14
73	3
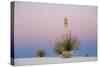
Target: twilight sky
37	23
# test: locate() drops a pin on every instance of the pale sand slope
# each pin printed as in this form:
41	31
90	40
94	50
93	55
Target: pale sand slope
50	60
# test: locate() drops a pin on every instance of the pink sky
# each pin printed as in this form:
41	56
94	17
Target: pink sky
40	22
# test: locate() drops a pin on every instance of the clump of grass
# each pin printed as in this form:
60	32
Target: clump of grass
41	53
87	55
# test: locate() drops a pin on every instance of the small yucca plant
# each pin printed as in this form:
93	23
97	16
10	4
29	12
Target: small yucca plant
41	53
87	55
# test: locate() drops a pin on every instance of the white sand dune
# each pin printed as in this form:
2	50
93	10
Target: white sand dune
51	60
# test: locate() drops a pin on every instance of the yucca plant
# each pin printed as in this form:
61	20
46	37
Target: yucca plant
66	44
41	53
71	44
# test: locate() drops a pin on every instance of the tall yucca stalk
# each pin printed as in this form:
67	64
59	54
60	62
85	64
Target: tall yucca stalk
66	43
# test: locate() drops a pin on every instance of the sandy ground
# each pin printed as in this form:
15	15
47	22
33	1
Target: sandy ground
51	60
